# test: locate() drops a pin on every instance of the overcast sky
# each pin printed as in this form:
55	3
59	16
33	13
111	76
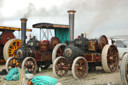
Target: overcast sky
95	17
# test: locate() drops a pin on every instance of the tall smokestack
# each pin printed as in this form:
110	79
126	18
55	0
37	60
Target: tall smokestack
71	24
23	30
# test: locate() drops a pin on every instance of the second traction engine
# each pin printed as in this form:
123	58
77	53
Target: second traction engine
82	54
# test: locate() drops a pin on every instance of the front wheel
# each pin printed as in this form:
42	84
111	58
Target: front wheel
12	62
29	64
80	68
59	66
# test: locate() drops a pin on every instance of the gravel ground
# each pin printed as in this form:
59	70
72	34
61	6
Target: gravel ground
98	77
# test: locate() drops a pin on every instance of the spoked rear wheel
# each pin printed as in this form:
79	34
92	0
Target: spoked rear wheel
58	51
29	64
110	58
59	66
12	62
124	70
80	68
10	48
102	41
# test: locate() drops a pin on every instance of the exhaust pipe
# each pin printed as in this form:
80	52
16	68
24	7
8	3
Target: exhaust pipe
23	30
71	24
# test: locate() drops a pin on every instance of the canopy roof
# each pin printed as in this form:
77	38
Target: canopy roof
50	26
3	28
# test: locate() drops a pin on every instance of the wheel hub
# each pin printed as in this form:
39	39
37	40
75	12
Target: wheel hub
29	66
111	58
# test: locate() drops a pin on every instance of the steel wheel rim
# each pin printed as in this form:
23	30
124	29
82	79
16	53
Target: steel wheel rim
59	67
112	58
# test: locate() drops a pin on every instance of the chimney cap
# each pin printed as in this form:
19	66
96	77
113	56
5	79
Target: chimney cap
71	11
23	20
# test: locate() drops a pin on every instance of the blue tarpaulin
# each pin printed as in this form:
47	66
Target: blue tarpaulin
13	74
44	80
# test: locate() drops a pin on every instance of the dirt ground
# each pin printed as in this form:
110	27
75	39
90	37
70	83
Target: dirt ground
98	77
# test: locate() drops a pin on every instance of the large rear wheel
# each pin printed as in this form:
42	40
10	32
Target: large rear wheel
10	47
58	51
110	58
102	41
124	69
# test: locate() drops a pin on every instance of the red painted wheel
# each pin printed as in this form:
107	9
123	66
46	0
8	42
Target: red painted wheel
80	68
54	41
102	41
110	58
7	35
59	66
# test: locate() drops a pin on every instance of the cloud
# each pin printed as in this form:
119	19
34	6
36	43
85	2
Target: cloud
92	16
1	5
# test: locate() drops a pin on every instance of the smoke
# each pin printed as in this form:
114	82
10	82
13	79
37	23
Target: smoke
105	9
41	12
30	9
90	16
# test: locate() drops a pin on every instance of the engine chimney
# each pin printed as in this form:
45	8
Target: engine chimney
71	24
23	30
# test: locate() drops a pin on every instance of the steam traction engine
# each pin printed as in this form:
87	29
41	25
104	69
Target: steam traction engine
37	53
82	54
6	35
